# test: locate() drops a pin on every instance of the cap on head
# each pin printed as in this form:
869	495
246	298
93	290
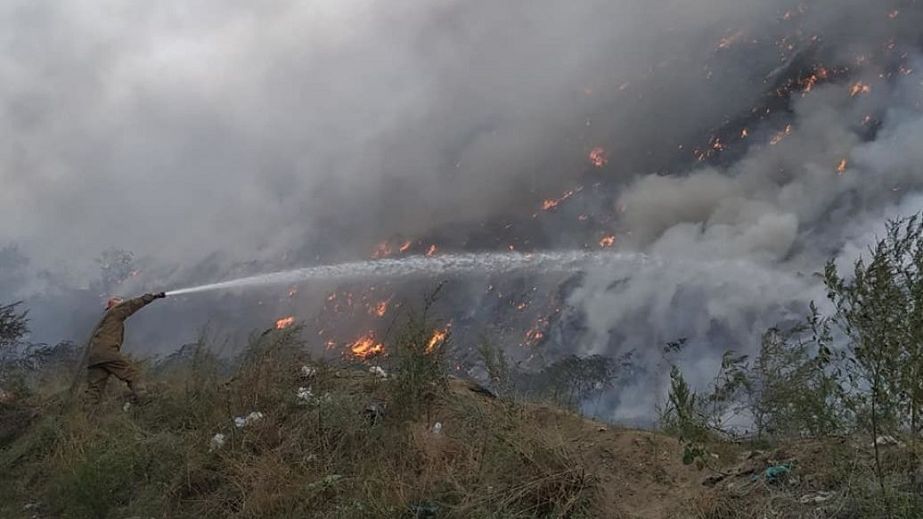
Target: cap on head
113	301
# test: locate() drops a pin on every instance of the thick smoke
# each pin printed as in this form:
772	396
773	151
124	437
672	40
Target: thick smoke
219	138
747	239
177	132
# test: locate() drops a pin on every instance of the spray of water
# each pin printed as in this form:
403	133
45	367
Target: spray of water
446	264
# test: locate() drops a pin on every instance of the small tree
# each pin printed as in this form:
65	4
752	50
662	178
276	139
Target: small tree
14	324
420	349
498	368
871	310
793	392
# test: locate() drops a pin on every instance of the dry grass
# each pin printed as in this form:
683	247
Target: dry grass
319	458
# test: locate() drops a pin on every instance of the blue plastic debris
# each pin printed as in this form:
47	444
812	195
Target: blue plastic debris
777	472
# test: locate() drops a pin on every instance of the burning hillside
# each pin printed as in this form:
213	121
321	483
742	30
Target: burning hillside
726	149
526	312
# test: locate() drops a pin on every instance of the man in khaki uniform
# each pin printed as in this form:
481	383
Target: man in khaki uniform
105	356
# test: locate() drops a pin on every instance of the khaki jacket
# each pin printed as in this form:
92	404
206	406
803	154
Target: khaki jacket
108	335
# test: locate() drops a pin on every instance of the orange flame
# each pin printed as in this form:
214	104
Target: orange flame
381	308
433	249
405	246
536	333
382	250
285	322
598	157
607	241
859	88
841	167
437	339
366	347
534	336
551	203
777	138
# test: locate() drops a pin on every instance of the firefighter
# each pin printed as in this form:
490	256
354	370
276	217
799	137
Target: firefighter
105	356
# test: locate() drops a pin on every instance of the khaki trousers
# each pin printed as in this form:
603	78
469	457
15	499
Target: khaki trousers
120	368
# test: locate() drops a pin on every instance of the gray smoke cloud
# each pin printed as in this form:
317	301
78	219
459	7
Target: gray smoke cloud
742	243
178	131
216	137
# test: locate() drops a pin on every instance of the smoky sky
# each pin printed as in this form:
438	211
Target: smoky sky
206	135
178	131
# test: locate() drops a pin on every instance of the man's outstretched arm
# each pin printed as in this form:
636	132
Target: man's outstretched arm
129	307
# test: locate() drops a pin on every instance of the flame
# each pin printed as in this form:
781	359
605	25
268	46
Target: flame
285	322
808	83
381	308
607	241
744	133
777	138
534	336
382	250
859	88
551	203
405	246
433	249
841	167
437	339
598	157
893	14
366	347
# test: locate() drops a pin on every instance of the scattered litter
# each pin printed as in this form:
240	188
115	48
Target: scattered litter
602	428
6	397
777	472
250	419
216	443
816	497
887	440
308	371
377	371
304	394
437	428
126	406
